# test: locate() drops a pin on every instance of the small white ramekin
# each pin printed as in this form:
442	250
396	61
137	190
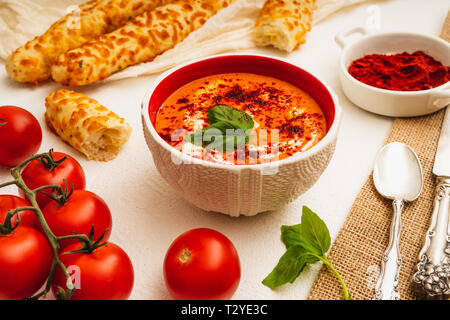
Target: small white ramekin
239	189
389	102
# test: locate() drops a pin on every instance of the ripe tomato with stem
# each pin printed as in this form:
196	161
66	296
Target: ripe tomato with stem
55	169
76	212
11	202
100	271
25	261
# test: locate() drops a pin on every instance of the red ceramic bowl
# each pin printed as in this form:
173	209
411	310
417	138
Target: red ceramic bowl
240	189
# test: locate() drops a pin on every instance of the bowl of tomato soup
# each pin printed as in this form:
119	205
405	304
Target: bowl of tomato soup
240	134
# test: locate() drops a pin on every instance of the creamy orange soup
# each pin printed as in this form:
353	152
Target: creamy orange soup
287	119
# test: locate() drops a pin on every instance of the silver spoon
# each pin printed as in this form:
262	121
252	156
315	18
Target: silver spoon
397	176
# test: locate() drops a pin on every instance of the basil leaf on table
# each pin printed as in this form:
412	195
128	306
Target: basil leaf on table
228	129
291	264
314	232
306	243
290	235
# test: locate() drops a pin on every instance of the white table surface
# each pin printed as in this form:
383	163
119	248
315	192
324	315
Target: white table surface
148	215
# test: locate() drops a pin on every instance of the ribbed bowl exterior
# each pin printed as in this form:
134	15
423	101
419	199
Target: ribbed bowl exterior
245	191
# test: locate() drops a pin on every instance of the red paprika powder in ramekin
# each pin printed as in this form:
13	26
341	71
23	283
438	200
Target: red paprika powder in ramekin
400	72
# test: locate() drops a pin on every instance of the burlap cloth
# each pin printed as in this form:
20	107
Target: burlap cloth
360	244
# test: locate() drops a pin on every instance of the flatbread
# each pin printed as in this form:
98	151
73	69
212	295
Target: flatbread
284	23
86	125
230	29
31	63
140	40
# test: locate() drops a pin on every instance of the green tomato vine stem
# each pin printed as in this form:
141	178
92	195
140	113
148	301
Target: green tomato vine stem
52	239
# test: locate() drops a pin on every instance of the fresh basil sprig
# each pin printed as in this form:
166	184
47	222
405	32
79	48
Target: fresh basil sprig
306	243
228	128
236	117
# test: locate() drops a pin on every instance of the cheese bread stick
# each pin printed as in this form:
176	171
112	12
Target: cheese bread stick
86	125
140	40
31	63
283	23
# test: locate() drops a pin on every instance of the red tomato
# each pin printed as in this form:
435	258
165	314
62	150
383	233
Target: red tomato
25	261
78	214
10	202
36	174
104	274
20	135
202	264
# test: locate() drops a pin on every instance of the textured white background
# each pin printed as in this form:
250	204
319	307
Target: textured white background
148	216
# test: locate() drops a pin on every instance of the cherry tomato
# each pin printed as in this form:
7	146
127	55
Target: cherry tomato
83	210
104	274
37	174
25	261
202	264
10	202
20	135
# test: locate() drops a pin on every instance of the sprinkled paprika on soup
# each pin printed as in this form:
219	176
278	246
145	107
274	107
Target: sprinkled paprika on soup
253	119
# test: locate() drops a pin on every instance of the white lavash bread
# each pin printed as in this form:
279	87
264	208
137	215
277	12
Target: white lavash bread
283	23
31	63
140	40
86	125
230	29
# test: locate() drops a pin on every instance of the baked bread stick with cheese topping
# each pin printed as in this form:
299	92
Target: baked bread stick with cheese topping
283	23
31	63
138	41
86	125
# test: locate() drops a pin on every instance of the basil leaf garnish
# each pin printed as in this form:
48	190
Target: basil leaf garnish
238	118
228	129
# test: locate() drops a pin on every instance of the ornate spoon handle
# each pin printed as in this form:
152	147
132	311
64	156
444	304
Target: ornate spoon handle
387	287
433	270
